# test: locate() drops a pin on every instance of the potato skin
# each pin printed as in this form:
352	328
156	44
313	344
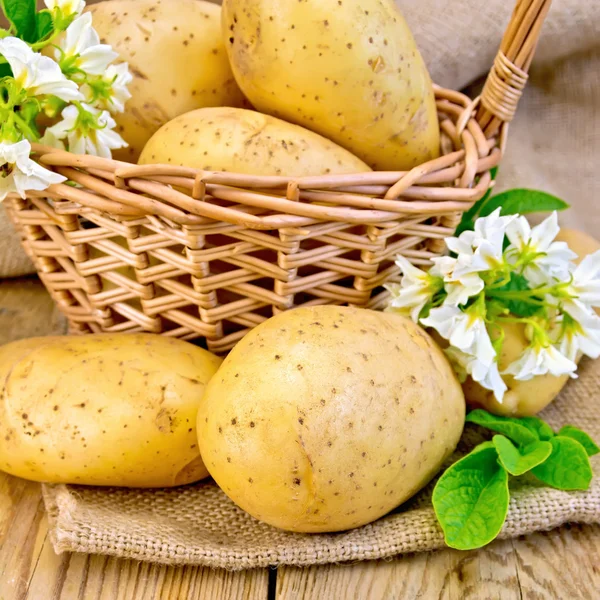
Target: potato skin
526	398
348	70
245	141
523	398
177	57
326	418
107	409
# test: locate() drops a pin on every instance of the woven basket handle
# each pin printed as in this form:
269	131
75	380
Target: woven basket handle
508	76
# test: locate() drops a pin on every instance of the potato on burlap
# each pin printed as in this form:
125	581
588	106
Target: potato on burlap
109	409
327	418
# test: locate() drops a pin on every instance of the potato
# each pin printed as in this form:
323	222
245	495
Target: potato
348	70
326	418
108	409
526	398
177	57
245	141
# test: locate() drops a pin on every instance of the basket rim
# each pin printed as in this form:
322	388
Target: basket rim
185	196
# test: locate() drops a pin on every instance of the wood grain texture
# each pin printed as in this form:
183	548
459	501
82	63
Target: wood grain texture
561	564
30	570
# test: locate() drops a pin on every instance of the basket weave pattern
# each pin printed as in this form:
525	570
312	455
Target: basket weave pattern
198	254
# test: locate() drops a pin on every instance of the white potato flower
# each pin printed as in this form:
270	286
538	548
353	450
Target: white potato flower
464	330
18	173
488	376
414	292
38	75
80	49
109	91
459	289
538	359
481	249
572	336
549	260
88	131
66	7
585	284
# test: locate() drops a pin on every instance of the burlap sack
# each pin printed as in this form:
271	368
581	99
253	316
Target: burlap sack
199	525
13	260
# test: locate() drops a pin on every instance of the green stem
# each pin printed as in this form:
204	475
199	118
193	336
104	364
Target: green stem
43	43
25	128
505	280
521	296
525	320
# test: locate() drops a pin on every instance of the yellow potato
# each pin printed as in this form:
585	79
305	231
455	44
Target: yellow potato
526	398
327	418
245	141
348	70
109	409
177	57
523	398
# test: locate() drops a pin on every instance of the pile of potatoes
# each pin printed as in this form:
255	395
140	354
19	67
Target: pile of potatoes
272	87
321	419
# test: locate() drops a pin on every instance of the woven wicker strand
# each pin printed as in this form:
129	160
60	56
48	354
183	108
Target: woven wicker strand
209	255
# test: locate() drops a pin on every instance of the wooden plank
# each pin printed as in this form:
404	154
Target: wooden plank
88	577
30	570
564	563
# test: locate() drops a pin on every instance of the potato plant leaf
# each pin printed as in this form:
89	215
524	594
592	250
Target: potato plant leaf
538	427
567	468
518	461
519	308
522	201
21	16
471	500
582	437
507	426
43	24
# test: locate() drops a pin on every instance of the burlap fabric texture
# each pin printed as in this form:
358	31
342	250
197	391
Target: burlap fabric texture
199	525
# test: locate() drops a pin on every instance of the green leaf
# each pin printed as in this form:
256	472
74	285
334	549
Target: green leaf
43	25
582	437
516	461
523	201
21	15
508	426
5	70
538	427
467	222
471	500
567	468
518	283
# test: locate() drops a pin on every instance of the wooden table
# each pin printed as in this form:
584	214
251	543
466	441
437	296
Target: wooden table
562	564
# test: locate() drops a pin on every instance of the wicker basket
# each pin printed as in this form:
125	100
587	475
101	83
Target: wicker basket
126	251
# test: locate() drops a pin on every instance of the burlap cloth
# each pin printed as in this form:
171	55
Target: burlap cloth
199	525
